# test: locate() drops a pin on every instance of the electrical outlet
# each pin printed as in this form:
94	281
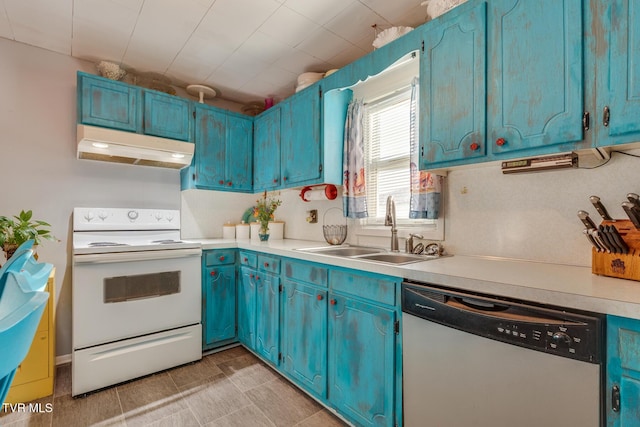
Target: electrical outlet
312	216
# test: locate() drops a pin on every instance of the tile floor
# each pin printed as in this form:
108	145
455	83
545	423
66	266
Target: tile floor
229	388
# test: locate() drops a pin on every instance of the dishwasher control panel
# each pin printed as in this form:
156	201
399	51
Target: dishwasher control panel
575	335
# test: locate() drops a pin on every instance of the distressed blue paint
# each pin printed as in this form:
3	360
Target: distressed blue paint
219	257
623	370
107	103
373	287
453	89
269	264
223	152
268	317
219	306
304	335
535	74
248	258
167	116
362	361
617	62
312	273
247	307
266	150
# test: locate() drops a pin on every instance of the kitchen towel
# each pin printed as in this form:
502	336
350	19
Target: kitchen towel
354	195
425	187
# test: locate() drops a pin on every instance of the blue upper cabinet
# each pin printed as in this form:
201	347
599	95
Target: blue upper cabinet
116	105
453	89
300	138
617	62
107	103
167	116
623	372
535	73
223	154
266	150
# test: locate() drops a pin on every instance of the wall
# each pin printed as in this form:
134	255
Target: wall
39	166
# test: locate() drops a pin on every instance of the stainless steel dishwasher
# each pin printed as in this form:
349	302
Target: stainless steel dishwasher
479	360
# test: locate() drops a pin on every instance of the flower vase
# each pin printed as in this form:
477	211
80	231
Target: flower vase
263	237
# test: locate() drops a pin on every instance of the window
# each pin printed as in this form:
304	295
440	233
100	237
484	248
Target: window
387	128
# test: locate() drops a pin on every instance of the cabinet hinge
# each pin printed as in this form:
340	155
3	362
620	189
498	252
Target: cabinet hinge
194	114
396	327
423	45
320	168
279	288
586	121
320	91
236	329
279	356
193	177
606	116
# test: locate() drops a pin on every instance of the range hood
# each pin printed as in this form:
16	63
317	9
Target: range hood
95	143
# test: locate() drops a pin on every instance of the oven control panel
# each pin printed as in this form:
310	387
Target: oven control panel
91	219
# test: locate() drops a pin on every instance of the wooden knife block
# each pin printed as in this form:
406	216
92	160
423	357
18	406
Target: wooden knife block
623	266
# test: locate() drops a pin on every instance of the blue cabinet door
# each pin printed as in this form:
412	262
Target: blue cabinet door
266	150
167	116
361	364
247	307
453	90
268	317
623	372
300	141
304	335
535	75
210	150
219	305
107	103
239	149
618	73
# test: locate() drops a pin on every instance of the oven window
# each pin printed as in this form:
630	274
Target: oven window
127	288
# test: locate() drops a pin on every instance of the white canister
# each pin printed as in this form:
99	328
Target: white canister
229	231
255	229
242	231
276	230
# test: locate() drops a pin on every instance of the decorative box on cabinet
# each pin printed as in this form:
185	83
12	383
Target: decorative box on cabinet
218	298
623	372
116	105
223	152
35	375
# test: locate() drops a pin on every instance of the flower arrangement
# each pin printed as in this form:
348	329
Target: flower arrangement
17	230
264	211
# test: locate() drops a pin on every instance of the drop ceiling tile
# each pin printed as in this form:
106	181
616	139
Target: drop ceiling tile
228	20
162	29
278	76
347	56
414	17
298	62
319	12
261	88
42	23
355	22
198	59
5	25
394	12
263	47
323	44
288	26
231	77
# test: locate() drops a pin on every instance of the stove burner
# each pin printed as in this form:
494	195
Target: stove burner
100	244
167	241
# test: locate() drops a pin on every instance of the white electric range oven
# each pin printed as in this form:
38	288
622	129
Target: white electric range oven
136	292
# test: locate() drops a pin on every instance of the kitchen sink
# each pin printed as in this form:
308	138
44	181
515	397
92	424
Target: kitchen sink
346	251
395	258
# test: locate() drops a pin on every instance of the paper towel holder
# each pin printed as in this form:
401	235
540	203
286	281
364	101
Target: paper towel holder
330	191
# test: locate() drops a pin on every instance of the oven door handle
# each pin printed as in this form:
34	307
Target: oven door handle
112	257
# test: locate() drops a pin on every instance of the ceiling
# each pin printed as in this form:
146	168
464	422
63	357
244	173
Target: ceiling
247	49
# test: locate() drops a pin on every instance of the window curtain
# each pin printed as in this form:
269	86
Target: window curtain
425	187
354	195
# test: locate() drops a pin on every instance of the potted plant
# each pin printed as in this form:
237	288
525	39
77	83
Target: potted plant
264	212
20	228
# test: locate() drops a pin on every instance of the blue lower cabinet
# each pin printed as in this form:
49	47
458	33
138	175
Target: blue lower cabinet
304	336
247	307
362	361
268	317
219	306
623	372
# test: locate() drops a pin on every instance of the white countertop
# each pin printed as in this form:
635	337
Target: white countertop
560	285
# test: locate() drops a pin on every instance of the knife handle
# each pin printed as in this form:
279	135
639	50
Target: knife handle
634	198
595	201
617	238
608	240
596	236
633	212
592	240
584	217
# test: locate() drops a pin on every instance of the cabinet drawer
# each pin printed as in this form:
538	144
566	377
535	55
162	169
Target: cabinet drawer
377	288
269	264
305	272
222	257
249	259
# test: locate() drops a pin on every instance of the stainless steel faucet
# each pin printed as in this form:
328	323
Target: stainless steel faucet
390	220
409	243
